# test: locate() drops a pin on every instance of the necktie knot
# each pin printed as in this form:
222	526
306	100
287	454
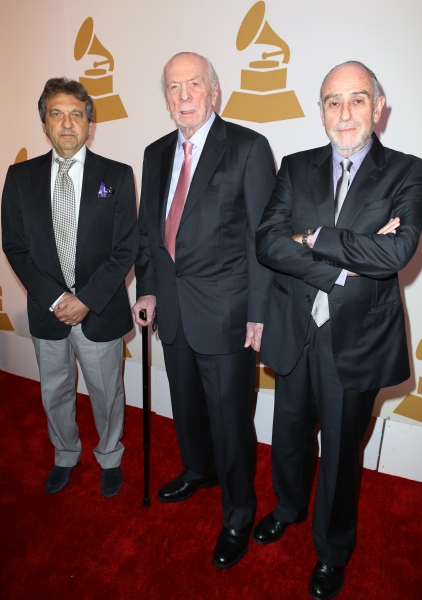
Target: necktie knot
64	165
346	165
187	148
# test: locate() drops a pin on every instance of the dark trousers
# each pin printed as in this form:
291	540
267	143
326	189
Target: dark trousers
312	392
212	399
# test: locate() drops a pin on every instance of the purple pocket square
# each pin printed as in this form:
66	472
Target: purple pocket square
105	191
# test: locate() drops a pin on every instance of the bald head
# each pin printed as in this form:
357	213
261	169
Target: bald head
356	63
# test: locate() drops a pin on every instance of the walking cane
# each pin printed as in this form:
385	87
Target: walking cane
146	410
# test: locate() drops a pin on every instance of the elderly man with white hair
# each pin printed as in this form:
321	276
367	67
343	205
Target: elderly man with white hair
204	188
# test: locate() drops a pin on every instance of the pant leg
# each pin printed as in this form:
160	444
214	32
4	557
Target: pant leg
190	413
229	383
56	362
294	442
344	418
101	364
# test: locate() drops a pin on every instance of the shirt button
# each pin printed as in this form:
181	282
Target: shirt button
178	274
308	298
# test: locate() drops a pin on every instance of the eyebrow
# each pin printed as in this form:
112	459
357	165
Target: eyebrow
191	79
361	93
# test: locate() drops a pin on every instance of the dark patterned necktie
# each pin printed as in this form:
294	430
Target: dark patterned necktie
320	309
64	220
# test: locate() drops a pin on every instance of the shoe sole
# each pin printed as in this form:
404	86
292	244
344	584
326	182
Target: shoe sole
333	595
220	566
204	485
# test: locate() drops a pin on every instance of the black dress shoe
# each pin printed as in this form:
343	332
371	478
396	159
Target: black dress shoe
270	530
325	581
177	490
111	481
231	545
57	479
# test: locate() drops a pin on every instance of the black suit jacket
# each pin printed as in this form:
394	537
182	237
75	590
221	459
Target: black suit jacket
216	282
367	320
105	250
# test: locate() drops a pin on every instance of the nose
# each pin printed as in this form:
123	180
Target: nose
67	121
184	93
345	112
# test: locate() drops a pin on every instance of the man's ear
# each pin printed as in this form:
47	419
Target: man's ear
321	112
215	95
378	108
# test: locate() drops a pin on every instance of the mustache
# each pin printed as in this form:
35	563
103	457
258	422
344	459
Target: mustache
346	125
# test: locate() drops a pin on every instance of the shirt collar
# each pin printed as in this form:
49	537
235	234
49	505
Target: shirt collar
357	159
79	156
200	137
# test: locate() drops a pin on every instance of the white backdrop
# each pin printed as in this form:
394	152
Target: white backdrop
37	42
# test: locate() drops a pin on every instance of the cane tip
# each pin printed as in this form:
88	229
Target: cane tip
146	502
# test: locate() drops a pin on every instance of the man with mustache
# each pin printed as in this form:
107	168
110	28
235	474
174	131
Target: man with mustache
69	233
204	187
341	223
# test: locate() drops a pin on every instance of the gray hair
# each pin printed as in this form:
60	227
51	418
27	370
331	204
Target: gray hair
377	91
210	69
70	87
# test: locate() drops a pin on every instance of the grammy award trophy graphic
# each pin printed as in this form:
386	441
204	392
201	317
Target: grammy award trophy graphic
411	405
5	322
98	81
263	97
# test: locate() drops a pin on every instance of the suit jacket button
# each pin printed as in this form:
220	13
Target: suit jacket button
308	298
178	274
161	247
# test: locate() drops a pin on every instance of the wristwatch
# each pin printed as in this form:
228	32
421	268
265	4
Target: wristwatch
305	236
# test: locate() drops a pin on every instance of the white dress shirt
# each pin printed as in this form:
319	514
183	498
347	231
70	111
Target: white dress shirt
76	173
198	140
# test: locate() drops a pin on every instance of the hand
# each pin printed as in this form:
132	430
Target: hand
254	335
70	310
390	227
144	302
297	237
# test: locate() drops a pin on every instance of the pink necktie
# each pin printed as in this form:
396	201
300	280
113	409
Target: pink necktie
179	198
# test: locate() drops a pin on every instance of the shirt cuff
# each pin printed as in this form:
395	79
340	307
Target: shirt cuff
341	279
314	237
53	306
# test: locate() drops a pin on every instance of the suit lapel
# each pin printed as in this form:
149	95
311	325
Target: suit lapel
212	153
321	185
94	170
166	168
371	171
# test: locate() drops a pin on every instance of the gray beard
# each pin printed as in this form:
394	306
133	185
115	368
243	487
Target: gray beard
352	149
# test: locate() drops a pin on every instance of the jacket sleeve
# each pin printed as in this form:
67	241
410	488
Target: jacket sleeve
144	265
259	179
275	246
376	255
41	287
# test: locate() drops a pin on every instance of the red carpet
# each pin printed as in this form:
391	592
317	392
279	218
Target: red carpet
78	545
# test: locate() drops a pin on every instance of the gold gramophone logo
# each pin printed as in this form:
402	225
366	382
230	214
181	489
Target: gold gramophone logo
265	98
21	156
98	82
5	322
411	405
